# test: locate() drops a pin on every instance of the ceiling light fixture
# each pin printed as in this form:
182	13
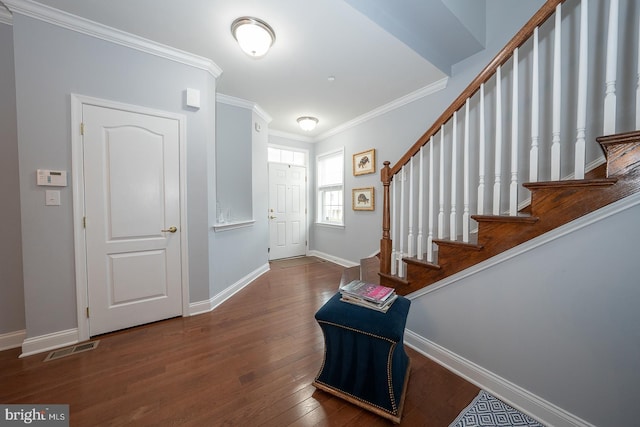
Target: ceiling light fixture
254	36
307	123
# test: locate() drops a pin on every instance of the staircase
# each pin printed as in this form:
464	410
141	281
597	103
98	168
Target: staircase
553	203
465	192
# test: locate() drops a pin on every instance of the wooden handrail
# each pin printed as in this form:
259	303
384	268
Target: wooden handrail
500	59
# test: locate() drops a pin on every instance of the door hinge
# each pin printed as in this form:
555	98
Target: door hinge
87	312
84	222
81	128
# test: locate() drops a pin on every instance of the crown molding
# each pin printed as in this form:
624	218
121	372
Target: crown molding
291	136
94	29
413	96
243	103
5	15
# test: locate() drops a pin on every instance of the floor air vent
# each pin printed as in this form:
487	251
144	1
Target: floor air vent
79	348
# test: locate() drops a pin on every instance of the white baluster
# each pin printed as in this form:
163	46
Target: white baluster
481	154
393	225
410	242
498	146
513	188
420	248
431	177
441	187
465	172
557	89
453	229
535	112
581	125
612	66
400	253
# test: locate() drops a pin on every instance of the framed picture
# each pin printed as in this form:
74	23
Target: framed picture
363	199
364	162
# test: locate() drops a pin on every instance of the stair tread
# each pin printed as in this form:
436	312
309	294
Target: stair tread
421	262
458	243
598	182
526	219
619	138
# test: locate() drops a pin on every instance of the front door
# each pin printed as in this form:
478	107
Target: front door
287	212
132	208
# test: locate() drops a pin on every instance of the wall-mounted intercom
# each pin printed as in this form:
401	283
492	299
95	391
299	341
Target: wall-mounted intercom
53	178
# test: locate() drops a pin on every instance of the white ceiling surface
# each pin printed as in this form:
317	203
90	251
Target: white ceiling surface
314	40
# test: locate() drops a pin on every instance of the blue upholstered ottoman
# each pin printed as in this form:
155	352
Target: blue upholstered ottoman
364	361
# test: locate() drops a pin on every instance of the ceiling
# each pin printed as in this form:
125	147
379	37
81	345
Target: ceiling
376	51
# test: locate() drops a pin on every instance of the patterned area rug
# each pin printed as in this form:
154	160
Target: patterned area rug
487	411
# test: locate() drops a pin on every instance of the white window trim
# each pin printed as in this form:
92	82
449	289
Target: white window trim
318	221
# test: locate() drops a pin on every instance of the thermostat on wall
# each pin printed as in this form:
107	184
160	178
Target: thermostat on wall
53	178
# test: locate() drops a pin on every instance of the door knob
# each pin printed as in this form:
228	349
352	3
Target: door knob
272	217
171	229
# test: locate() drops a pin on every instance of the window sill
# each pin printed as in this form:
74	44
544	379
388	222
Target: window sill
226	226
329	225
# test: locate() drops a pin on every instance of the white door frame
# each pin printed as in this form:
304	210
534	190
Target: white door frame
77	182
308	168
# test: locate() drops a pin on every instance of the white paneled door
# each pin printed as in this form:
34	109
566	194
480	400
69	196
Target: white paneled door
132	205
287	210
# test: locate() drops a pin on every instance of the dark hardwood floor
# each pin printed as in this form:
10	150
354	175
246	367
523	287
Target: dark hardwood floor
250	362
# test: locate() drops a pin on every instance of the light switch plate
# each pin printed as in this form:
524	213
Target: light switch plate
52	198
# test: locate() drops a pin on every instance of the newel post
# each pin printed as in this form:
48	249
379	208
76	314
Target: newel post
385	242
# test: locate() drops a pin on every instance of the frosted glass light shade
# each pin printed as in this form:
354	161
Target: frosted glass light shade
254	36
307	123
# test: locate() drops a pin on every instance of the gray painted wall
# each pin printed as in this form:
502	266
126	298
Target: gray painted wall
11	284
560	321
238	252
234	154
51	63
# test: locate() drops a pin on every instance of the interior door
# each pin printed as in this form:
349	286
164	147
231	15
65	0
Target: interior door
287	210
132	208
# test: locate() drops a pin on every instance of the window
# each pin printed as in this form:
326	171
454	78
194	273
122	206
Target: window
282	155
330	177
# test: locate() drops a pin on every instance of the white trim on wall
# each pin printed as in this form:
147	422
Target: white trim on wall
82	301
47	342
209	305
5	16
94	29
12	339
413	96
243	103
340	261
523	400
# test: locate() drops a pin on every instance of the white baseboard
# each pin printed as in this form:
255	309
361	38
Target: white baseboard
12	339
523	400
48	342
336	260
206	306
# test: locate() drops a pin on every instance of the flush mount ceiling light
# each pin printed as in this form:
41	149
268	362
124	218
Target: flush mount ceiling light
254	36
307	123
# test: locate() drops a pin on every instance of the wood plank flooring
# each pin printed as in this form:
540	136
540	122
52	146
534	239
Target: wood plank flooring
250	362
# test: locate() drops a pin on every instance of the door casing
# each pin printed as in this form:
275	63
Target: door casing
77	182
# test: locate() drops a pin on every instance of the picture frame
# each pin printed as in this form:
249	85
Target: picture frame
364	162
363	199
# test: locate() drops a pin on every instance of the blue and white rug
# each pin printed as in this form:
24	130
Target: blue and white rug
488	411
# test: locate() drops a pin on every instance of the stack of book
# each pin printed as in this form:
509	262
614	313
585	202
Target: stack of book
369	295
